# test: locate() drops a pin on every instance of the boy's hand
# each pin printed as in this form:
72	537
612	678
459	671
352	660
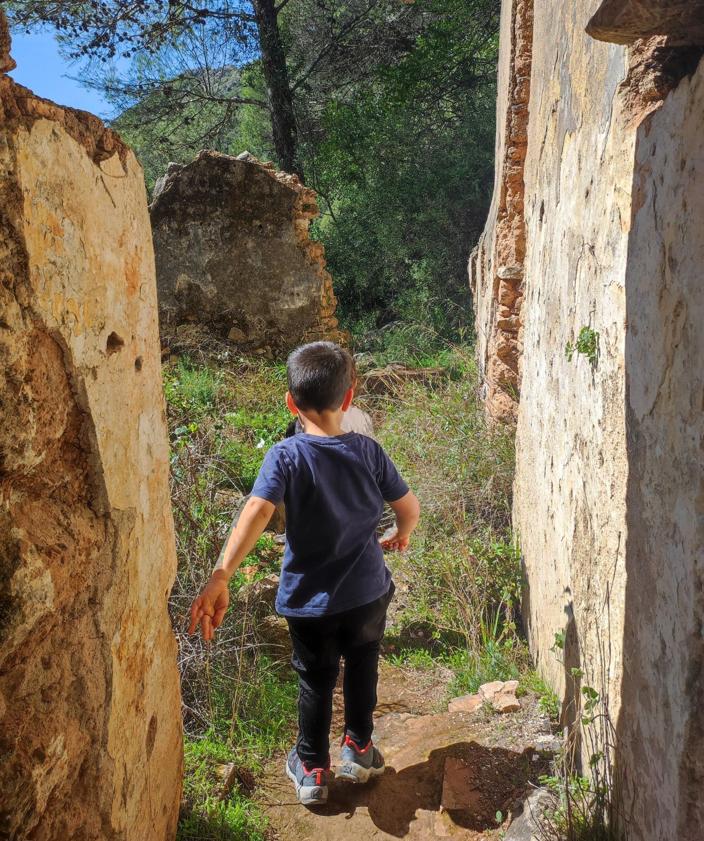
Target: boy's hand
208	609
391	541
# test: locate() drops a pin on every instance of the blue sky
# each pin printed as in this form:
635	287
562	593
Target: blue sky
41	68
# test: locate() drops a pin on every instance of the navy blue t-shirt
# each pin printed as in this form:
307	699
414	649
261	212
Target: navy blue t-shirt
334	490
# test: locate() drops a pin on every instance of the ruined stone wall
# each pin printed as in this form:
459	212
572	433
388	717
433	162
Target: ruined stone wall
90	743
609	483
233	253
571	449
497	263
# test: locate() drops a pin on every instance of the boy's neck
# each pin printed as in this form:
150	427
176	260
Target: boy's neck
323	424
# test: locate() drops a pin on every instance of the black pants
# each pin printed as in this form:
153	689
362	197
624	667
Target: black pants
318	644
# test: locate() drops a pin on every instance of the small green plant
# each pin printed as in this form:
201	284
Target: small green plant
548	701
585	807
414	658
587	344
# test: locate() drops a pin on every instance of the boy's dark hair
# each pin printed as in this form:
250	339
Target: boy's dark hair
319	375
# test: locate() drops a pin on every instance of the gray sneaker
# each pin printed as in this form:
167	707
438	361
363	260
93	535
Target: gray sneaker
311	783
359	764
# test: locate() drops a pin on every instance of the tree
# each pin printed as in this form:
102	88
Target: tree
150	31
404	165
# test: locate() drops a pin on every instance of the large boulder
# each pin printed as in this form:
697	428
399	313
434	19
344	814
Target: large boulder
233	253
90	737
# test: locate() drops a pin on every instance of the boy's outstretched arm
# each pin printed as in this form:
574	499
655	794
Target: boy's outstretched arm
407	511
208	609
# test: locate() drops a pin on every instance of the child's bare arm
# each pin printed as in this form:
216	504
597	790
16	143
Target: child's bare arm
209	608
407	511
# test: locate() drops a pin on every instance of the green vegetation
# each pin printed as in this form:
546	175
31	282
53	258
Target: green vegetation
585	806
210	815
239	705
405	171
587	344
463	568
548	701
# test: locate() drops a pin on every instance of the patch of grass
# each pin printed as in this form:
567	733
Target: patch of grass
206	813
263	711
415	658
463	566
412	344
495	662
191	388
238	705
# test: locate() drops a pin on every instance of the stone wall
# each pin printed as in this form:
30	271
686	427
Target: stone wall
497	263
90	741
233	253
609	485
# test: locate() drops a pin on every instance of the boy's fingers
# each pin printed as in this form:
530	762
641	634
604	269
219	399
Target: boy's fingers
195	607
206	627
219	616
196	613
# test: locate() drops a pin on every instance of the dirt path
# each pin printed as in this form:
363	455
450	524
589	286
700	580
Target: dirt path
487	759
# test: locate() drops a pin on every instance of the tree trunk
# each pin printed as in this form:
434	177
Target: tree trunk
283	119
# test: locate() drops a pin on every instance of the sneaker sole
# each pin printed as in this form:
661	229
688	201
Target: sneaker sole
357	773
308	795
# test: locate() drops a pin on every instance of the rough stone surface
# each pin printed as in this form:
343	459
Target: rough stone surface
90	739
528	825
233	252
663	646
466	704
609	483
625	21
460	786
6	61
501	695
497	264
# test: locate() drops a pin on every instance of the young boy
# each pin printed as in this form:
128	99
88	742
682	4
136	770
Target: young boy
334	587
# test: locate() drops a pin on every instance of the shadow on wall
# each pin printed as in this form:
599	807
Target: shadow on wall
661	720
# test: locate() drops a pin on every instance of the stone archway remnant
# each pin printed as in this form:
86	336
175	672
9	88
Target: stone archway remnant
233	253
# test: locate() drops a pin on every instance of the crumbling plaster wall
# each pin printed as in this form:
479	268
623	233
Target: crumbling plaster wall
609	489
661	721
90	737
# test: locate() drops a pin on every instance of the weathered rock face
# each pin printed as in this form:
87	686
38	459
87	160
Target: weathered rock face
625	21
90	742
233	252
610	480
497	264
6	61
